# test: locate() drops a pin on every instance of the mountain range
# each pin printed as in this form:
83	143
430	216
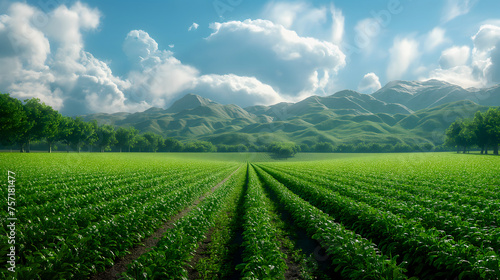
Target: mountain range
401	111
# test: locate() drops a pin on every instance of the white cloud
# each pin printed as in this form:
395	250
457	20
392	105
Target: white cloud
435	38
50	62
460	75
369	84
454	56
486	53
232	89
283	13
271	53
138	43
484	67
158	76
367	31
403	53
487	37
64	27
338	22
20	39
47	61
495	22
456	8
307	19
160	83
193	26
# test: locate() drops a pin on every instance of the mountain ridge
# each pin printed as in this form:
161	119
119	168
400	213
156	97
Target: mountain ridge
426	110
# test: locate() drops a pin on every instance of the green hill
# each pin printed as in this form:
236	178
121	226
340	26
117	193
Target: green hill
344	117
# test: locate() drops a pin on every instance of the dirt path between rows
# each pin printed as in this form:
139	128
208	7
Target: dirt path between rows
204	245
120	266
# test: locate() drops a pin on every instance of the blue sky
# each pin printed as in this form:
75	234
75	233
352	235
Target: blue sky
107	56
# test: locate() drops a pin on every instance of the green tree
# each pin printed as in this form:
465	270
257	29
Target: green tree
199	147
141	142
346	148
324	147
44	123
13	120
402	148
374	148
51	120
154	141
492	121
172	145
65	130
92	139
35	113
461	134
452	134
480	131
80	133
283	150
304	147
467	137
125	137
105	137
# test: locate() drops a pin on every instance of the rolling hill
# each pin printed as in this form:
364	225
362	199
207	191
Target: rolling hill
401	111
431	93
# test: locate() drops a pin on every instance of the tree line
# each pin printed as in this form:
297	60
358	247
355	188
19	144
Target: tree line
21	124
482	131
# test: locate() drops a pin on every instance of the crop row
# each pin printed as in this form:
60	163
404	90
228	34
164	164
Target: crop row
105	193
169	258
262	256
47	228
478	210
114	228
352	255
392	201
426	251
482	195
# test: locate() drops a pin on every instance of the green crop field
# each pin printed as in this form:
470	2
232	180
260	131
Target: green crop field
232	216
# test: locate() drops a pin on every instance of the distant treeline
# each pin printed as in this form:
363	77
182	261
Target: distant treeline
21	125
483	131
32	123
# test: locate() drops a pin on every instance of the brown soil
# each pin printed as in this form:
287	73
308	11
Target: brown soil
120	266
293	271
201	252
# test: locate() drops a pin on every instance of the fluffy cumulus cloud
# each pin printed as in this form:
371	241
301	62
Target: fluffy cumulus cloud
46	59
460	75
478	67
272	54
435	38
159	78
157	75
306	19
232	89
454	56
403	53
369	84
193	26
140	47
456	8
42	56
23	54
486	52
284	13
